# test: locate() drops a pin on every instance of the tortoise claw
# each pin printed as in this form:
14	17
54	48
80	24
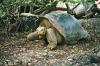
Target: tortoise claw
51	47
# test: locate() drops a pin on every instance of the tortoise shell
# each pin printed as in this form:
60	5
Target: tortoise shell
67	25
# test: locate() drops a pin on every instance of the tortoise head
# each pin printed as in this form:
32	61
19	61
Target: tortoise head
38	34
41	31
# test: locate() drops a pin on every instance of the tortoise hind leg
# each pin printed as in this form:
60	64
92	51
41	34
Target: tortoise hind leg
51	38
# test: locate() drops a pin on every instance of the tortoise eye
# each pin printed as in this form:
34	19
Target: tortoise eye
42	29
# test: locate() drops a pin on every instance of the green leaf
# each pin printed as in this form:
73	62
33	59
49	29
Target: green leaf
2	13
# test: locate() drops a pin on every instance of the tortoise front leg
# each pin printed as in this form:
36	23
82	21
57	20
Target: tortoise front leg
51	38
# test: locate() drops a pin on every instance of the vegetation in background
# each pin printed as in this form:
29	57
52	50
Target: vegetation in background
7	5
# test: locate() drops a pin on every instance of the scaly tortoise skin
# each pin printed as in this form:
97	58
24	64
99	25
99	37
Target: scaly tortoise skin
58	27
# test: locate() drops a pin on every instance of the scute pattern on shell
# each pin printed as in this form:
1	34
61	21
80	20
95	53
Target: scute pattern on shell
67	25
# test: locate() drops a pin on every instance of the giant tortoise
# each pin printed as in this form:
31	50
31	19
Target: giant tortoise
58	27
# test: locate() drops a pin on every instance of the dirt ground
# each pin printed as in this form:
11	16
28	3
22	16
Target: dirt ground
16	50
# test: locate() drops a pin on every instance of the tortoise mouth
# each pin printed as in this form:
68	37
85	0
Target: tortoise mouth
41	35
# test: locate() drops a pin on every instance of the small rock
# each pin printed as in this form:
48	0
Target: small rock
1	64
29	64
69	59
10	63
98	54
16	62
94	64
77	64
